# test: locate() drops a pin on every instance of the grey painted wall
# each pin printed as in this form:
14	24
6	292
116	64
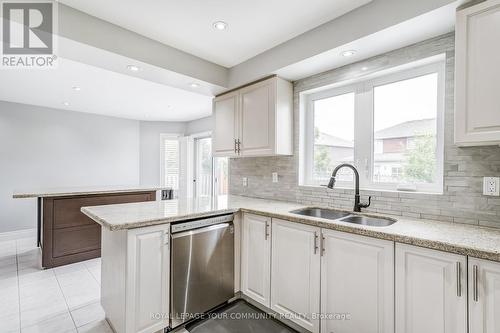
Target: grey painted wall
41	147
462	200
150	148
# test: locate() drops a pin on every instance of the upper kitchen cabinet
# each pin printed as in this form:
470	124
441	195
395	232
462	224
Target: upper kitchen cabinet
477	113
256	120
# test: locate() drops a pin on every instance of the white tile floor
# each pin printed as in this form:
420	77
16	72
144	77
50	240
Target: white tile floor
63	299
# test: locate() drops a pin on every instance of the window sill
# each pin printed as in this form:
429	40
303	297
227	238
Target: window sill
363	189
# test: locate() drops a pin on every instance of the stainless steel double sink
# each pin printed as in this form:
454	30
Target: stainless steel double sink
333	214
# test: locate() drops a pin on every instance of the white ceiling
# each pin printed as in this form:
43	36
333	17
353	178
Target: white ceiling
253	26
420	28
102	92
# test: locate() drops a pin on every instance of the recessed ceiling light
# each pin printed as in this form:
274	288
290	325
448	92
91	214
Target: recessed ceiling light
364	68
76	88
133	68
349	53
220	25
66	103
194	85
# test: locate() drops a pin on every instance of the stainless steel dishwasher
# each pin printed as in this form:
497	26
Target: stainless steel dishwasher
201	267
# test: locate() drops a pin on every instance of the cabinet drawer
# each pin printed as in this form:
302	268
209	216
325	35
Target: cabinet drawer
76	240
67	210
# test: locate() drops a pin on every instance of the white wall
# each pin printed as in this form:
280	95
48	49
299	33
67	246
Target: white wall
41	147
199	125
150	148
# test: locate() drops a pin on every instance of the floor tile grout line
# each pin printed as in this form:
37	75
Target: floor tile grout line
66	302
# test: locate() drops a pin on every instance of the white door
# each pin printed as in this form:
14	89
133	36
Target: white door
357	284
484	296
148	269
225	124
257	114
295	273
256	257
477	114
430	291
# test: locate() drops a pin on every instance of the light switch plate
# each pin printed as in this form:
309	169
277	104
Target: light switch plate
245	181
275	177
491	186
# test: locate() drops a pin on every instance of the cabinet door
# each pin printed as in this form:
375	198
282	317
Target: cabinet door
225	125
257	114
256	258
148	267
430	291
477	114
484	296
295	272
357	283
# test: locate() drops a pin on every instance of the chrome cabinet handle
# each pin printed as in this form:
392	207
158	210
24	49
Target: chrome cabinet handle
267	230
315	242
235	145
238	144
475	289
322	244
459	279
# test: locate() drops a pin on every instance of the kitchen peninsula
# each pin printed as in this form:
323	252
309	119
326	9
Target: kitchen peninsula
64	234
136	257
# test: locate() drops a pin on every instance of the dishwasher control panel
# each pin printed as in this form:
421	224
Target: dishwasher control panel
204	222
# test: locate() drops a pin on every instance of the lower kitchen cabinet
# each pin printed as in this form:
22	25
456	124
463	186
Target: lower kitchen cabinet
295	272
431	291
135	278
256	257
484	296
357	284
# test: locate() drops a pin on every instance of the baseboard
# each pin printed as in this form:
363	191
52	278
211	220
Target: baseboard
18	234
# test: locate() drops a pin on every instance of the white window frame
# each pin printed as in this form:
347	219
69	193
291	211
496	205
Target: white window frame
363	125
194	138
169	136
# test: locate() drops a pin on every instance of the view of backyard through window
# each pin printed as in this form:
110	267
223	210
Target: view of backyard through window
333	136
405	130
386	126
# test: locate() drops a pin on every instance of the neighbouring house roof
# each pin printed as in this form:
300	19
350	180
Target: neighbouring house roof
324	139
408	129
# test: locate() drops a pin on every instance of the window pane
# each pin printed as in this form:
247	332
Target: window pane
221	174
405	115
203	167
333	137
171	155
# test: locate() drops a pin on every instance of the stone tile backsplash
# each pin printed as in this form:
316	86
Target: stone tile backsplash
462	200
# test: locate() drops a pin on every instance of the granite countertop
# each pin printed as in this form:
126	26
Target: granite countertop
475	241
65	191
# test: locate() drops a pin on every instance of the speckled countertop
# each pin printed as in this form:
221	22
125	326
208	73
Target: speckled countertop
87	190
475	241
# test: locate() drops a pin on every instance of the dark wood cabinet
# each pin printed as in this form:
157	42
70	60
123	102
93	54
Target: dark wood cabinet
67	235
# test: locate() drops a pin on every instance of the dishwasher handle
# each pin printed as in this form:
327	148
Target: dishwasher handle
202	230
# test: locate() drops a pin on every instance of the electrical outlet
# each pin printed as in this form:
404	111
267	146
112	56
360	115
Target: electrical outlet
491	186
245	181
275	177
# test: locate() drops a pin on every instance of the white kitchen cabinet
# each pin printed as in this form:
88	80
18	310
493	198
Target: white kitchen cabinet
357	280
135	278
295	272
431	294
477	76
256	257
256	120
226	120
484	296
